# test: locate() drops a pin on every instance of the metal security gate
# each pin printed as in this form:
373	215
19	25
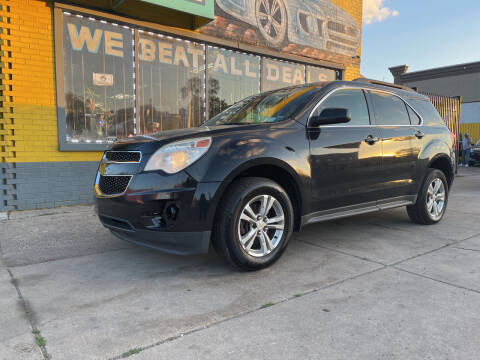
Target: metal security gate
449	110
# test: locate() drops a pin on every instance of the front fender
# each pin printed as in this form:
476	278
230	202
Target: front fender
230	156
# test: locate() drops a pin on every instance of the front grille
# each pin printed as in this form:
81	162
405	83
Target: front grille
342	40
110	185
123	156
335	26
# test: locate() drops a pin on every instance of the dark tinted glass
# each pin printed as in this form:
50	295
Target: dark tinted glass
231	76
427	110
264	108
414	118
171	84
98	80
389	109
351	99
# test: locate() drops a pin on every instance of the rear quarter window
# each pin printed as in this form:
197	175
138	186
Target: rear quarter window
425	108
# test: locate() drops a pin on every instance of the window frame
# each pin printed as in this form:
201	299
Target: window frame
375	110
137	26
370	107
326	96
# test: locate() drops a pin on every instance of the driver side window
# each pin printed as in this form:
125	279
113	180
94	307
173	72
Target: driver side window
351	99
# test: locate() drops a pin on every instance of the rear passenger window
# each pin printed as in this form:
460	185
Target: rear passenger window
414	118
389	109
351	99
427	110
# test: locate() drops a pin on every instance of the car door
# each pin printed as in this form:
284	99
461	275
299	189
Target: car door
345	159
399	145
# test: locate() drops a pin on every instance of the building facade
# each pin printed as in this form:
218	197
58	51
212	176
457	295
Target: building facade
75	77
462	80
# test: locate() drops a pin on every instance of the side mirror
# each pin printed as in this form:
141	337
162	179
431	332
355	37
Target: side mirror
330	116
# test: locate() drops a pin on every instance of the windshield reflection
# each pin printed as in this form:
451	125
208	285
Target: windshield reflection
268	107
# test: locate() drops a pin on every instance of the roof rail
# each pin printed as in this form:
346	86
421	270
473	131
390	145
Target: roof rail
383	83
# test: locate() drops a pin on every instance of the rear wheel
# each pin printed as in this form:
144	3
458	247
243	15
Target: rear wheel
431	200
254	223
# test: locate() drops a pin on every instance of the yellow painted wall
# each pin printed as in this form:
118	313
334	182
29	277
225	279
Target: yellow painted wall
28	121
354	8
28	56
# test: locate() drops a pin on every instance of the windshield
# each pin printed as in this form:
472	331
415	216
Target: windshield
264	108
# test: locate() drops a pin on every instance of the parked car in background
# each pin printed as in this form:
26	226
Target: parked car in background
275	162
475	154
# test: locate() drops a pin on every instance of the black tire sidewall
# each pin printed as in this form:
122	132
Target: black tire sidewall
422	201
243	259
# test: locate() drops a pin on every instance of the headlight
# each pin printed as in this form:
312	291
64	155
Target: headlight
176	156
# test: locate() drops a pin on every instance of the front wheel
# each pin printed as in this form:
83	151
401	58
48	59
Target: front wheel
254	223
431	200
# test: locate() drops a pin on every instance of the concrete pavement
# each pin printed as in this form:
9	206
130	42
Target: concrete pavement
368	287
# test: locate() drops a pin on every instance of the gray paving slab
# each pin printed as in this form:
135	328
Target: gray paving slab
472	243
100	305
458	264
388	237
45	237
387	314
467	191
16	339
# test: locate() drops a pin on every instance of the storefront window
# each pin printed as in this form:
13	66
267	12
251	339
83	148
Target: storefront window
277	74
231	77
98	80
317	74
171	83
116	81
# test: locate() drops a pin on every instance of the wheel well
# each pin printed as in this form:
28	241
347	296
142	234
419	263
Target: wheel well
281	177
443	164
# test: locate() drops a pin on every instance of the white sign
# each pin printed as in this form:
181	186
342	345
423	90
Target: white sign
102	79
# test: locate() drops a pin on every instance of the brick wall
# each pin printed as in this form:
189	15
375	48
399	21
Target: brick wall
28	118
354	8
29	53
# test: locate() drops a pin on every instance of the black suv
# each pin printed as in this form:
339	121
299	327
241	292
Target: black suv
275	162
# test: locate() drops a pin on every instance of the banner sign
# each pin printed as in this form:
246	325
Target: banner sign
195	7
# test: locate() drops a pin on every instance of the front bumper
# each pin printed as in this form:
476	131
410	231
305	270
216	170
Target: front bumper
172	213
179	243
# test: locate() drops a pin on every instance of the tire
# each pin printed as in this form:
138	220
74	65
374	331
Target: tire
272	21
421	212
235	225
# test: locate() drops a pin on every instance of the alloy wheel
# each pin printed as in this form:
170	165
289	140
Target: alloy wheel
436	199
261	225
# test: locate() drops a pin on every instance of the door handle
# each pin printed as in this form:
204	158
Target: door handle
419	134
370	139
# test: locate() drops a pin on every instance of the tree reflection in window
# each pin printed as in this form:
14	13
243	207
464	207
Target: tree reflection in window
98	79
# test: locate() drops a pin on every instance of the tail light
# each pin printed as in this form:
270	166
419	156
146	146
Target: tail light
454	140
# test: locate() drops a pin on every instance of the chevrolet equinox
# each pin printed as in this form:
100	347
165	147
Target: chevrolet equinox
275	162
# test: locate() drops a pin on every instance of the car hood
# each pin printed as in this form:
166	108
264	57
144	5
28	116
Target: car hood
148	144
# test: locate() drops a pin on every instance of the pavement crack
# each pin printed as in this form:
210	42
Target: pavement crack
137	350
342	252
127	246
437	280
462	248
30	316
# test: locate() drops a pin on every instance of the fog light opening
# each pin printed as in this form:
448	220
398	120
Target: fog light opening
172	212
